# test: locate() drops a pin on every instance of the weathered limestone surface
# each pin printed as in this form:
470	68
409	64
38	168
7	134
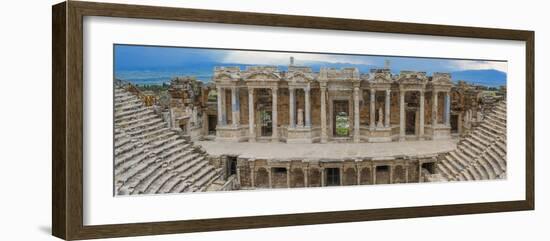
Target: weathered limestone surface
333	151
301	98
151	158
481	154
288	119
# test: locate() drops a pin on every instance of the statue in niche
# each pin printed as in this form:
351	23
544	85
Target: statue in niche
380	118
195	116
479	116
468	118
300	118
172	117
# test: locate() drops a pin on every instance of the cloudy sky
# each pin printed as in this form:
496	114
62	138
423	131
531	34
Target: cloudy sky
134	58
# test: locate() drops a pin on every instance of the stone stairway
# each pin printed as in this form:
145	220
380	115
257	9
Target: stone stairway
481	154
150	158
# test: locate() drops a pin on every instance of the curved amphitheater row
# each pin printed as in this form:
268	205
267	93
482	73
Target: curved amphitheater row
150	158
481	154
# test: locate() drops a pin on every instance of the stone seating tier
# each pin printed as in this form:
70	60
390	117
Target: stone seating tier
481	154
150	158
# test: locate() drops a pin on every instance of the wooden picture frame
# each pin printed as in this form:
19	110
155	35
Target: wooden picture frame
67	123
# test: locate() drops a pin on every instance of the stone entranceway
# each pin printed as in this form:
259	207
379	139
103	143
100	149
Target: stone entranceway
262	178
429	166
264	114
341	118
212	122
332	176
454	124
266	123
382	175
279	177
231	165
410	127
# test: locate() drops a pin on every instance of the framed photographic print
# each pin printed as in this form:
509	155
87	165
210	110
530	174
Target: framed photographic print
171	120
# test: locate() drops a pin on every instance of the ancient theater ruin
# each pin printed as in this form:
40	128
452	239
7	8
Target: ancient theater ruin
267	127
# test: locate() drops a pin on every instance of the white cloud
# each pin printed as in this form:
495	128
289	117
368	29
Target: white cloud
277	58
480	65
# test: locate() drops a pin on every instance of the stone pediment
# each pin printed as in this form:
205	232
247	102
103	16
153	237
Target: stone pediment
441	79
262	76
299	77
225	76
381	78
412	77
226	73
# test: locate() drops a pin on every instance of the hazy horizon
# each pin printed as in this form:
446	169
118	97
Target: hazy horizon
156	65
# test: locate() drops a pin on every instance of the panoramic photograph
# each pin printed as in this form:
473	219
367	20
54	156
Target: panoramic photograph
190	119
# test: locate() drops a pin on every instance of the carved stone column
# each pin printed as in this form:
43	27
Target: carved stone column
447	109
306	174
434	108
235	107
372	110
406	173
239	175
252	176
275	136
324	136
269	175
220	106
387	110
251	128
391	174
358	171
401	115
420	172
288	176
224	109
421	118
342	175
307	107
373	175
323	177
356	130
292	107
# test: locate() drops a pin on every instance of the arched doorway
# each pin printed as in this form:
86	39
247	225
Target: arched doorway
297	178
366	176
341	118
399	174
350	176
262	178
265	115
314	177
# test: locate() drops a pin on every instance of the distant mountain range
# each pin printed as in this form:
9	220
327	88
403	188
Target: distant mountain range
489	77
204	72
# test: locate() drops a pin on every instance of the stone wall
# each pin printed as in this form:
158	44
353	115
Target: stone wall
243	99
394	108
315	102
292	174
244	176
282	107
